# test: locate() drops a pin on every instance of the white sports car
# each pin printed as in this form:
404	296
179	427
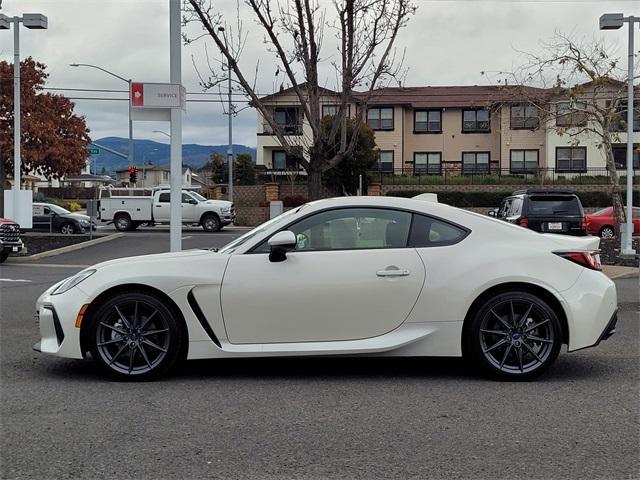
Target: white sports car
343	276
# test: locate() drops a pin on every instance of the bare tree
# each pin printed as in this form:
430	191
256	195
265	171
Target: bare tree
583	95
366	32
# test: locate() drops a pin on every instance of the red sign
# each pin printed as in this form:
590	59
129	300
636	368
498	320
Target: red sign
137	94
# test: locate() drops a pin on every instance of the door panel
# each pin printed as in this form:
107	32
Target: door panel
319	295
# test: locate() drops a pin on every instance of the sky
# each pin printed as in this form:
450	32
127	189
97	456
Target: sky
447	42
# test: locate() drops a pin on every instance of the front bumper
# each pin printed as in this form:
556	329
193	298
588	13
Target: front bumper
13	247
228	218
55	316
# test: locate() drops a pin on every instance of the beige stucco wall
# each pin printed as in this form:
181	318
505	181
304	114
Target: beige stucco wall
520	139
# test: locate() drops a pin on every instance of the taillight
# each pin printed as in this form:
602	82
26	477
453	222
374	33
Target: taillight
584	224
523	222
589	260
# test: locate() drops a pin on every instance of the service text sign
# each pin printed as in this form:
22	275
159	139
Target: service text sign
158	95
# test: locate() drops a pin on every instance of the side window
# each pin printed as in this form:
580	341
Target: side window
431	232
164	197
186	198
504	208
351	229
516	207
46	211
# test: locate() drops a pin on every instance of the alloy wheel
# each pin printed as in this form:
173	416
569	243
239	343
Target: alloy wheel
516	336
133	338
67	229
607	232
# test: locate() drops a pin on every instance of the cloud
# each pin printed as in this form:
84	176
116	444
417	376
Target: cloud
447	43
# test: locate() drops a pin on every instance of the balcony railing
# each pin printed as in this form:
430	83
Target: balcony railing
286	129
455	175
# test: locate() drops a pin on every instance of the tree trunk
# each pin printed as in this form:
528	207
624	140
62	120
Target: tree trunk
315	184
614	184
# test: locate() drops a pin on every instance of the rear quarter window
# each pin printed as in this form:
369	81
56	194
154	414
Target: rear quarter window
432	232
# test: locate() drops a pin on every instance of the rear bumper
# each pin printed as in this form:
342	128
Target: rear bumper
608	331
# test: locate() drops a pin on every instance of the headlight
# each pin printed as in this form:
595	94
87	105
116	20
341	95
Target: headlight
71	282
225	209
84	223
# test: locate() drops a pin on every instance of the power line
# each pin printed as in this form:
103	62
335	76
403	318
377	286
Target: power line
126	100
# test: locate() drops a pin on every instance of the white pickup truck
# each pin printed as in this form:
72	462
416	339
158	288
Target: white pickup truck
127	209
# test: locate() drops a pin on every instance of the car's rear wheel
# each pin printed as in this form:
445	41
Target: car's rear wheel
607	232
134	336
67	229
122	222
513	335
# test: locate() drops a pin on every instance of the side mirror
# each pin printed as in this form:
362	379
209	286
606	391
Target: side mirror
280	243
492	213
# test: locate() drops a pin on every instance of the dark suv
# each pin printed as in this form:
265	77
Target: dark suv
546	211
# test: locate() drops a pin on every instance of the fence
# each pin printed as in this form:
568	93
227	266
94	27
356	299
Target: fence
497	176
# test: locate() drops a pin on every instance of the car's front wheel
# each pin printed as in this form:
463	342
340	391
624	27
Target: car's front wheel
211	223
3	256
134	336
67	229
513	335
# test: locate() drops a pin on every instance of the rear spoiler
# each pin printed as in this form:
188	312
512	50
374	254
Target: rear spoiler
568	242
427	197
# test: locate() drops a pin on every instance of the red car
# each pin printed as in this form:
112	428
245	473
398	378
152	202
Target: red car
601	223
9	238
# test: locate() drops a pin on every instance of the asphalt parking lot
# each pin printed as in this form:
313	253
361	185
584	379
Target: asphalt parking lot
307	418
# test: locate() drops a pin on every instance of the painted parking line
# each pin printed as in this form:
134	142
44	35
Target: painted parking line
8	280
44	265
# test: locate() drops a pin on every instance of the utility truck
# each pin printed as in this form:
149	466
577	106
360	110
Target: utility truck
129	208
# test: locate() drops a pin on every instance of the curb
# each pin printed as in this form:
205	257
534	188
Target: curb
67	249
625	275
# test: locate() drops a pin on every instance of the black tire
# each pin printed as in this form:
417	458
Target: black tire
3	256
505	344
607	232
135	337
134	225
122	222
210	223
67	228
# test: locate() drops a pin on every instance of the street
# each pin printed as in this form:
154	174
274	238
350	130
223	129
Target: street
307	418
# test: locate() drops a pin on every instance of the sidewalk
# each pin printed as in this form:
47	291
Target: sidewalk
615	271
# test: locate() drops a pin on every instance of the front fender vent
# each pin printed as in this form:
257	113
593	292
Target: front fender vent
201	318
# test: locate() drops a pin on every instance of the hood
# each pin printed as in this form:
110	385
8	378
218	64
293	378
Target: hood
219	203
169	256
568	242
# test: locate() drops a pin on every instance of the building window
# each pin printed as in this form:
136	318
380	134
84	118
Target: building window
524	161
385	161
524	117
620	155
281	161
329	110
475	162
288	120
380	118
571	114
571	159
427	121
476	121
620	123
427	163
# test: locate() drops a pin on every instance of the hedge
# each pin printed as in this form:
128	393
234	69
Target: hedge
493	199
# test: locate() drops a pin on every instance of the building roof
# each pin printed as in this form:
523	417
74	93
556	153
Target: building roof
456	96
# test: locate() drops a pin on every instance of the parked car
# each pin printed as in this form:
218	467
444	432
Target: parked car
128	212
344	276
601	223
10	241
50	217
546	211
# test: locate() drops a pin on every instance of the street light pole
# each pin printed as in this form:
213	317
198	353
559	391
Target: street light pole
128	82
229	112
614	21
31	21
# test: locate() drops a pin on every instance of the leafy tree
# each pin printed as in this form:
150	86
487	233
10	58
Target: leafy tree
218	168
245	173
344	177
53	138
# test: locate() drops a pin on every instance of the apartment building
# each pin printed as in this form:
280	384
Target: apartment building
454	130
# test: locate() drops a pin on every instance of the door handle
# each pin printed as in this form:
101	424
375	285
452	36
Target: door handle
393	272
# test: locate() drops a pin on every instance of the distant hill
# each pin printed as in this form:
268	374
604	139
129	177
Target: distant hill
157	153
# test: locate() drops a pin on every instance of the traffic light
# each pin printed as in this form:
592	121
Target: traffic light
133	175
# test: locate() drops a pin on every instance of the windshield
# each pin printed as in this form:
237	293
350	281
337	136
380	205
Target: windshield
280	219
548	205
198	197
604	211
59	210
